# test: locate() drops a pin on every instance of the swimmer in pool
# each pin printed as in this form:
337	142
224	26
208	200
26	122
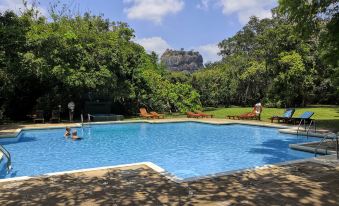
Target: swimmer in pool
75	135
68	132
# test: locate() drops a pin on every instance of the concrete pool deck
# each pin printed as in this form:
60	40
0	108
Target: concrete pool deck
305	182
312	182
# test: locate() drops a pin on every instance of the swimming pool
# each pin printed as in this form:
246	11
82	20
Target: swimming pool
183	149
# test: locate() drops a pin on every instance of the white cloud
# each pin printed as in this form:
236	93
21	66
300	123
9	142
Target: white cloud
204	4
17	6
244	16
244	9
209	52
14	5
152	10
156	44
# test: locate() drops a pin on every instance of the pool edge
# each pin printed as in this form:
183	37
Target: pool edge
281	128
161	171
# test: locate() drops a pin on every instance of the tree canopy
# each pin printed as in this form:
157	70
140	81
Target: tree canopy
288	60
83	58
317	18
269	60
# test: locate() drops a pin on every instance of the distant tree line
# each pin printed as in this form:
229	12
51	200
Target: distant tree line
289	60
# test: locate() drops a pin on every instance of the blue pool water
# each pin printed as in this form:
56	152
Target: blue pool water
183	149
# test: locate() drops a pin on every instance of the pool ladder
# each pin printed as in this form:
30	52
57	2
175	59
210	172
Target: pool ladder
9	159
335	140
86	128
82	119
307	128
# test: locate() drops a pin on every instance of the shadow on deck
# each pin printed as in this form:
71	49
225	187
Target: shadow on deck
307	183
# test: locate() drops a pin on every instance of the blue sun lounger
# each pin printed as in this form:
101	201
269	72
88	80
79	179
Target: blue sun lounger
306	116
285	117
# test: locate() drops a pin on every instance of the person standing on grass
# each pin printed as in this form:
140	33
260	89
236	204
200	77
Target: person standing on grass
258	109
71	107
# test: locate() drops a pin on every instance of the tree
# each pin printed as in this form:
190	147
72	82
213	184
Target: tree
313	17
80	58
292	85
255	54
216	85
163	95
14	80
244	41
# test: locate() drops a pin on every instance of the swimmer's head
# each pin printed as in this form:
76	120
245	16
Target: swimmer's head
68	129
74	132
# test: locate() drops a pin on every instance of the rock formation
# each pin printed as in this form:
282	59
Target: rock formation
189	61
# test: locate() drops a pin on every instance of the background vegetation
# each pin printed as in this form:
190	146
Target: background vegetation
289	60
276	61
49	62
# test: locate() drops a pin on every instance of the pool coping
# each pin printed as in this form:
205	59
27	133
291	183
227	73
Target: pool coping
288	129
161	171
281	128
231	172
305	148
148	164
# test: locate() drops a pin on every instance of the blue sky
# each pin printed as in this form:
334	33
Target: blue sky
175	24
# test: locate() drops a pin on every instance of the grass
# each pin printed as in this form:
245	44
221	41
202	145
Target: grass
326	116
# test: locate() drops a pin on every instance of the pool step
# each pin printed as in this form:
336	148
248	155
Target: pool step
306	147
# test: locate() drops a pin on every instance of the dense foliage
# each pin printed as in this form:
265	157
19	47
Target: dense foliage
288	60
83	58
270	60
313	17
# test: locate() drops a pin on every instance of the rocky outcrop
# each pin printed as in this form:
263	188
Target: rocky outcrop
182	60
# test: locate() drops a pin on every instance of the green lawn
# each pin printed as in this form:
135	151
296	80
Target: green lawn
327	117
